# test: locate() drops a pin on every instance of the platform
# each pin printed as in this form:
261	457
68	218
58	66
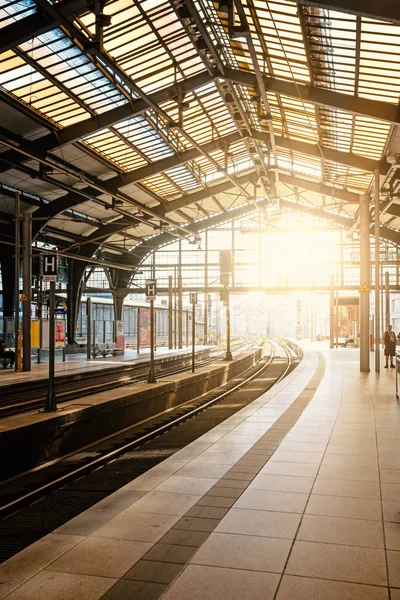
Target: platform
79	363
295	497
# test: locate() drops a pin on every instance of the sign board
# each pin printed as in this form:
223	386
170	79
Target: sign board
193	298
144	327
151	289
119	334
35	334
50	268
365	288
60	333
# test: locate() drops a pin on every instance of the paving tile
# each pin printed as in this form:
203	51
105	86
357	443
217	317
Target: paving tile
392	536
296	469
101	556
196	524
351	473
231	483
164	503
224	492
353	508
141	527
297	457
351	460
344	487
199	470
390	476
171	553
333	530
155	572
199	582
21	567
302	447
243	552
49	585
186	485
180	537
283	483
207	512
99	514
291	502
305	588
260	523
393	559
219	501
391	511
390	491
337	562
394	594
126	589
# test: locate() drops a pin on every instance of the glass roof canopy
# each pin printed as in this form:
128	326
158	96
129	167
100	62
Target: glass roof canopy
156	113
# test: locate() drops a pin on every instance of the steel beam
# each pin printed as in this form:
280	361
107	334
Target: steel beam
385	10
375	109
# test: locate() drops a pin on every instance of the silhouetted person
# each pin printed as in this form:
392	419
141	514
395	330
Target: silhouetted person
389	344
6	354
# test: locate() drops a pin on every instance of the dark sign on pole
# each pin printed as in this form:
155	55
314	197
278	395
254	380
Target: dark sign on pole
193	298
151	289
50	268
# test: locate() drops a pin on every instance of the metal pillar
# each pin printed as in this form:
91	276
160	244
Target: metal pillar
175	311
205	289
51	402
180	310
187	329
16	287
193	337
387	298
152	376
170	312
377	274
331	311
228	330
365	278
88	327
337	307
138	331
27	289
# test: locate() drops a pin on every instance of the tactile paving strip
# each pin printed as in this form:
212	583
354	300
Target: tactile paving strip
151	576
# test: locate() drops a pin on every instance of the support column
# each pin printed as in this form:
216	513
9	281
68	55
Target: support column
17	266
205	289
76	270
27	289
170	312
377	274
118	301
337	308
180	299
331	311
365	278
387	298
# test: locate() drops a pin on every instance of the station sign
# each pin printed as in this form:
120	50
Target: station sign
50	268
193	298
151	289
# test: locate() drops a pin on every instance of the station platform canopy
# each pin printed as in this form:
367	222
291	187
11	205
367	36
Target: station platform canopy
128	124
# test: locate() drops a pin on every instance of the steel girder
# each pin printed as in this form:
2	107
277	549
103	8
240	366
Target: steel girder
385	10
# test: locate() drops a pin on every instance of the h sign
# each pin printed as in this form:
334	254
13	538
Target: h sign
151	289
50	268
193	298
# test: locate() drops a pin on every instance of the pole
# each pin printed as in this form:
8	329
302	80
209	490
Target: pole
170	312
228	329
17	271
88	327
27	289
337	306
377	274
205	289
331	311
51	402
387	298
175	311
187	329
365	278
193	337
138	331
152	376
180	309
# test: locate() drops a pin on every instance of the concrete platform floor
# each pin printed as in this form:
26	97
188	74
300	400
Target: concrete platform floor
296	497
78	363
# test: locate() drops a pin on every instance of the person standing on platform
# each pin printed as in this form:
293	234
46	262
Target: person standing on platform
389	344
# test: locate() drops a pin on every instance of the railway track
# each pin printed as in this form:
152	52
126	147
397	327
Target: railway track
30	396
44	498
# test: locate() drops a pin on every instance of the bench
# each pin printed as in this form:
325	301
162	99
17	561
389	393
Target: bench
105	349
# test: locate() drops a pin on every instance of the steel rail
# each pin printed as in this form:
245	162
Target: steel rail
16	504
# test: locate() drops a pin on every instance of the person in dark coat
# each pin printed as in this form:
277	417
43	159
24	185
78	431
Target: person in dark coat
389	344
